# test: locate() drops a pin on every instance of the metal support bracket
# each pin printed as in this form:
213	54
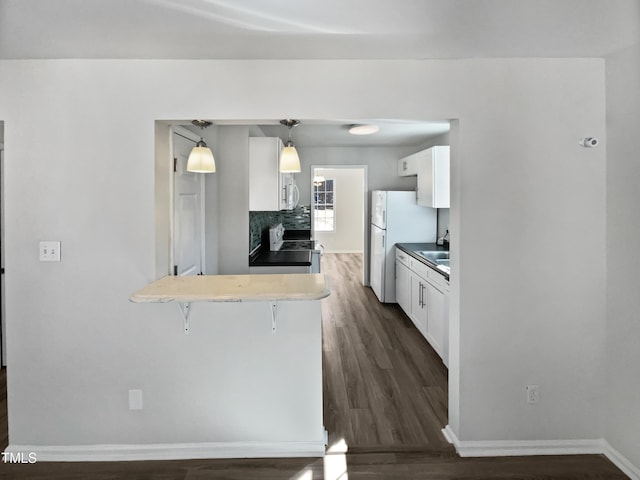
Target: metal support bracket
185	309
274	307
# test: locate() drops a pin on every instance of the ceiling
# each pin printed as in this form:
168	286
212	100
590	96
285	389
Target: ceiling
335	133
312	29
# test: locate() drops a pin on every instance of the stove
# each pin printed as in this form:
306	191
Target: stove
298	245
316	250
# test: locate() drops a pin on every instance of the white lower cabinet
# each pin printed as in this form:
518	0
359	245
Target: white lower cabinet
423	294
436	320
403	284
419	311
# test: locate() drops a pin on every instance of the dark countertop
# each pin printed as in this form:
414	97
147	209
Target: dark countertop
286	258
412	248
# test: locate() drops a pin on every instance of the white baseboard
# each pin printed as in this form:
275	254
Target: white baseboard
501	448
541	447
169	451
621	462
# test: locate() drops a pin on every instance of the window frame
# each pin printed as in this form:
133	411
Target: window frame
333	205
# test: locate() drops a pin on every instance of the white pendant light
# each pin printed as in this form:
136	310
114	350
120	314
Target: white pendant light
201	157
289	159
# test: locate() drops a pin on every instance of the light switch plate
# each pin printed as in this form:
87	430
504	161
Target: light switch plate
50	251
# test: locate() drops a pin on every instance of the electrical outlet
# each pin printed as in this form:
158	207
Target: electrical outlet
533	394
135	399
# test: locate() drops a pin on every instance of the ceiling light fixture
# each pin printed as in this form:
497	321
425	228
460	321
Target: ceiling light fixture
201	157
363	129
289	159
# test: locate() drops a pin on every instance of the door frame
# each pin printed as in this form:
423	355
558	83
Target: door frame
3	331
364	169
195	138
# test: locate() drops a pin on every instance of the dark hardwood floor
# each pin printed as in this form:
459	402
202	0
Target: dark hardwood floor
385	388
385	395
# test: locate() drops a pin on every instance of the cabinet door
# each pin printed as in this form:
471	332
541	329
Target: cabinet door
435	319
403	287
265	180
433	178
419	303
408	165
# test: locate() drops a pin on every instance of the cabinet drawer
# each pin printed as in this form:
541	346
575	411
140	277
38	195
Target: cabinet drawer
403	257
429	274
438	279
419	268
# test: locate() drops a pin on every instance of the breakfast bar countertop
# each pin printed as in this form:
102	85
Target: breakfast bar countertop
234	288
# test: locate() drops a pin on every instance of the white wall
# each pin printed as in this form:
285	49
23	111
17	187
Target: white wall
529	318
380	162
163	165
233	199
349	196
623	256
443	221
3	350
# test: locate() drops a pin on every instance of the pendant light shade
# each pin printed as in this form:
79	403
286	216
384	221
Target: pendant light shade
201	159
289	159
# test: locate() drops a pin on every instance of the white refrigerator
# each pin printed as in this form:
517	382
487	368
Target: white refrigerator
395	218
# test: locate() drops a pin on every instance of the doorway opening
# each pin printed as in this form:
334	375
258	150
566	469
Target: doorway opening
380	372
338	209
188	219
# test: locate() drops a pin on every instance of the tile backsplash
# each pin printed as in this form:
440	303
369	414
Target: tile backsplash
297	219
259	222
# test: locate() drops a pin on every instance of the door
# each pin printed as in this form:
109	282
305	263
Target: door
419	303
377	261
403	287
188	198
435	319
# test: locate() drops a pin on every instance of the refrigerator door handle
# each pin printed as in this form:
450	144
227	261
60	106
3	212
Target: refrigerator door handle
383	240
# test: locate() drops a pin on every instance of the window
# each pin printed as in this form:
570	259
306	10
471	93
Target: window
323	205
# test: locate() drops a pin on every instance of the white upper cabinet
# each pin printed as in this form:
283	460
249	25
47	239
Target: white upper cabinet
433	177
409	165
266	183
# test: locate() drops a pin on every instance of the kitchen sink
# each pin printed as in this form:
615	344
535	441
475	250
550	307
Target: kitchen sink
435	257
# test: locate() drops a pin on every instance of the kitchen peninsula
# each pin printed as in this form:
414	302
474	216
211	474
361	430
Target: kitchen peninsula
265	388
